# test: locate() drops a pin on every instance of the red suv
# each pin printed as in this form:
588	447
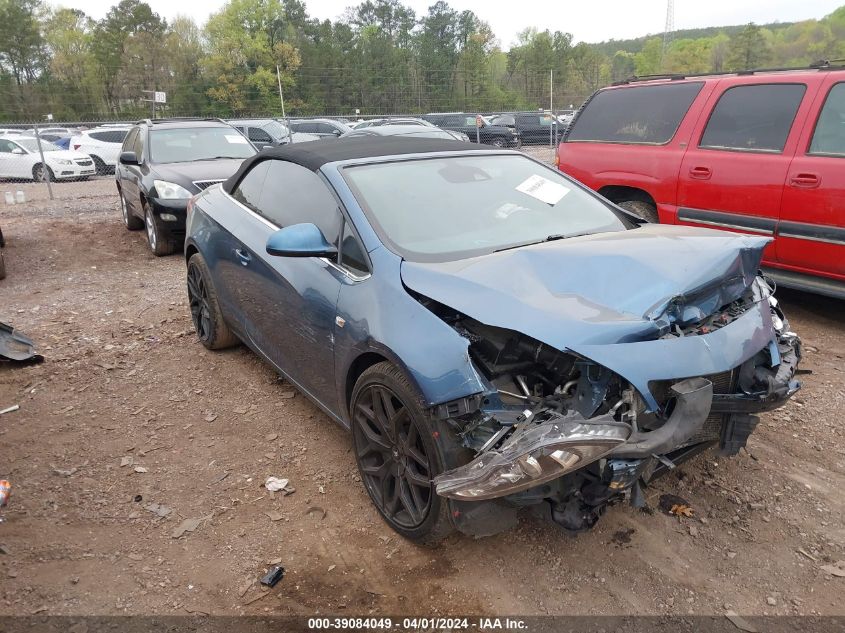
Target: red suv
760	152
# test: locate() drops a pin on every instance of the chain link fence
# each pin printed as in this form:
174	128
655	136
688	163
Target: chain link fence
49	161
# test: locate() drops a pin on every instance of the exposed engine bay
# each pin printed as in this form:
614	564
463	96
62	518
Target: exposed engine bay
567	436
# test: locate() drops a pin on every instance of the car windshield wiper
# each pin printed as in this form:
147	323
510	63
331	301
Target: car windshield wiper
549	238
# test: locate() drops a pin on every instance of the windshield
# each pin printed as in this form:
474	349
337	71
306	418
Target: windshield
31	145
181	145
443	209
276	129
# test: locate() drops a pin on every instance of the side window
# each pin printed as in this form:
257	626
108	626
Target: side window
546	120
257	135
352	253
294	194
527	119
325	128
129	142
248	191
635	114
829	135
754	118
6	147
139	144
99	136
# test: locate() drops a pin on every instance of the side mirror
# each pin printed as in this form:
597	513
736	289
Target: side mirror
128	158
300	240
18	151
336	132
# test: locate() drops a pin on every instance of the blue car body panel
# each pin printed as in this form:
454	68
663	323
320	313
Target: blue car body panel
606	297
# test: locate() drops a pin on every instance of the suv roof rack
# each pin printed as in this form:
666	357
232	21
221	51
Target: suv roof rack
822	64
176	119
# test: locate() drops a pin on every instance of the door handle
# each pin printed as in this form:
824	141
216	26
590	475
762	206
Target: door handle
700	173
805	180
245	257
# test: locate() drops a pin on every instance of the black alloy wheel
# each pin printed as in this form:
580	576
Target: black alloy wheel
392	458
198	303
212	330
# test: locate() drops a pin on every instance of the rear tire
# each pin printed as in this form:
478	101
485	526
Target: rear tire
99	166
399	448
160	244
645	210
131	222
206	315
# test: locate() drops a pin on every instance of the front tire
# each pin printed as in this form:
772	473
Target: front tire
400	448
160	244
40	173
206	315
498	142
645	210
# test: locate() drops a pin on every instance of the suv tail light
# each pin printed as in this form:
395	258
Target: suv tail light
76	146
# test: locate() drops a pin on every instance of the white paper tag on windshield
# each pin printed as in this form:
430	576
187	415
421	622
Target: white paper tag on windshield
235	138
543	189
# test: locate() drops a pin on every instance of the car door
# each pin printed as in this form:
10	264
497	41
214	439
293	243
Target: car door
811	231
528	126
127	175
732	174
11	165
289	303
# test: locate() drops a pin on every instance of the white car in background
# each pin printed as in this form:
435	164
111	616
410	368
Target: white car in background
102	144
20	159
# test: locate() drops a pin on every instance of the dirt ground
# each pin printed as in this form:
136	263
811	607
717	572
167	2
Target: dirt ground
130	427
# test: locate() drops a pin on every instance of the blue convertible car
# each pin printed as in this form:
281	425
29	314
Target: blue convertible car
495	335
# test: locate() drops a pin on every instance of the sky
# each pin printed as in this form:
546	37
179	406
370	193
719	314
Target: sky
587	21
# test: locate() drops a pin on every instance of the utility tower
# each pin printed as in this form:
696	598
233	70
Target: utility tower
668	30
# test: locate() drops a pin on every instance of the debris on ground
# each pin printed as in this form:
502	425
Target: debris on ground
127	460
188	525
275	516
837	569
317	510
674	505
17	347
275	484
14	407
140	469
158	509
273	576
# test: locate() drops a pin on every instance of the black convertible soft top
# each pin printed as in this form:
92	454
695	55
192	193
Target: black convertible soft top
315	154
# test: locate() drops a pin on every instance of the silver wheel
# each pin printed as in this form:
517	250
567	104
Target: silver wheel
123	210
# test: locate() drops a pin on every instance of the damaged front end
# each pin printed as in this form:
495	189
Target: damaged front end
565	434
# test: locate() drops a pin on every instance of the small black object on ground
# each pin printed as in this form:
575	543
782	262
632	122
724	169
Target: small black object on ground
273	576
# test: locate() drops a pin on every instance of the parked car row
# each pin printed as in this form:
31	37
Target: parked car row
20	159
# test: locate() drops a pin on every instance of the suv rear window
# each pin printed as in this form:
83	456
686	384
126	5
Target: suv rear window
110	136
636	115
755	118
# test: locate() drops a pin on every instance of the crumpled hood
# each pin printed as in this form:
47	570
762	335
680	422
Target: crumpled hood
599	289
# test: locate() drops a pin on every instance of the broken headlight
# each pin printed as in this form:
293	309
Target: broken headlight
534	454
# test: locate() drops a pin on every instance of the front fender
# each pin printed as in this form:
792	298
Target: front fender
380	316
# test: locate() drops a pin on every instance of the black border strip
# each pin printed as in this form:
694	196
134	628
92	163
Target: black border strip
813	232
754	224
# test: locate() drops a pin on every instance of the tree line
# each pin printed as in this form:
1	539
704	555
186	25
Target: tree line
380	57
